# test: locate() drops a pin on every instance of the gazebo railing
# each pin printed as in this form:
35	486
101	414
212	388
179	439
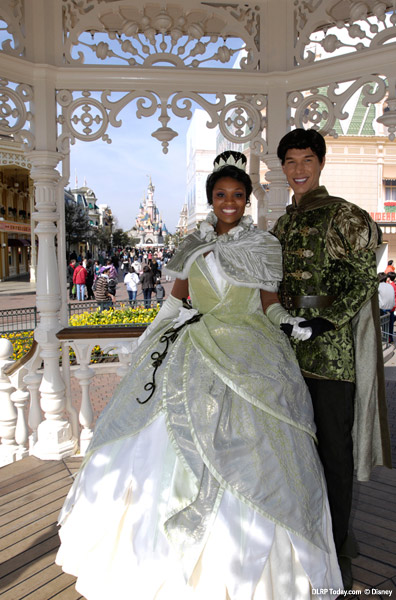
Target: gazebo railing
20	382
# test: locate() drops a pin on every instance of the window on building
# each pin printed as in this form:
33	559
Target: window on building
390	190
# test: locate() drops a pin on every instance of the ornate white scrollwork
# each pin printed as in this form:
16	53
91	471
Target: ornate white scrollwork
15	159
142	36
388	118
320	108
14	115
85	118
11	21
327	26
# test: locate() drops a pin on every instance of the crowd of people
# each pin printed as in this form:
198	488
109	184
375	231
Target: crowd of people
387	297
222	468
90	279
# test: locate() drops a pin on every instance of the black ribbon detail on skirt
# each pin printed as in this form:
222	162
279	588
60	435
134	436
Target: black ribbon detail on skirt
158	357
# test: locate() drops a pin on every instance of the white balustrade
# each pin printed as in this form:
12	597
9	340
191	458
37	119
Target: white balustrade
82	345
18	384
8	413
84	374
20	399
18	426
33	381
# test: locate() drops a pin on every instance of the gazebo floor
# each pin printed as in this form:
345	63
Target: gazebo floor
32	493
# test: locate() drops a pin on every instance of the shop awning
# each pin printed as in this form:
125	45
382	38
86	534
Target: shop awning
12	242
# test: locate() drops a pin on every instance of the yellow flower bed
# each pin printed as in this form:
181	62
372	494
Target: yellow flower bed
124	316
22	341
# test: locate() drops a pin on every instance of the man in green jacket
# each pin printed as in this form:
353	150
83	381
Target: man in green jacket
330	280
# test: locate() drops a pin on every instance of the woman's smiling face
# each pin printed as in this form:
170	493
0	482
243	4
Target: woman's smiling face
229	203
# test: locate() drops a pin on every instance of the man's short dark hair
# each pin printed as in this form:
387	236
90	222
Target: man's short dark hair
300	139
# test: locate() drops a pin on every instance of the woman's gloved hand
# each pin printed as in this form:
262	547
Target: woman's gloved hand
289	325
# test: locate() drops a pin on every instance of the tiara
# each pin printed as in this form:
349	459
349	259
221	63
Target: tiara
236	160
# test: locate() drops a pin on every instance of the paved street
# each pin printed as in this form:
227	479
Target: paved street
19	293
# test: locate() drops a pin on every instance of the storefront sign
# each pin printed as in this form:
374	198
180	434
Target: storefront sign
383	217
11	227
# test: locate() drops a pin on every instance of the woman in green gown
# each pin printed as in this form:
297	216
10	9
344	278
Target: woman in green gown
202	478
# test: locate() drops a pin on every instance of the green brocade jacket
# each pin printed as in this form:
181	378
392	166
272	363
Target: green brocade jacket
328	250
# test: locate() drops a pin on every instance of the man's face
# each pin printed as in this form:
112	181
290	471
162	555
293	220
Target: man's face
302	169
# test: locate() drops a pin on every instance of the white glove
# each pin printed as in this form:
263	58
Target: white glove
169	309
278	315
301	333
185	314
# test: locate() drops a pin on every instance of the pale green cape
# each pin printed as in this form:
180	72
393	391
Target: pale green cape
251	259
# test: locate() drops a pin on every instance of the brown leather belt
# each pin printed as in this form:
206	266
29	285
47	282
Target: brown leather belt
290	302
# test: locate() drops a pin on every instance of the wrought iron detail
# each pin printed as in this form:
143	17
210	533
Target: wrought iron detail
320	108
86	118
14	114
326	27
118	32
11	24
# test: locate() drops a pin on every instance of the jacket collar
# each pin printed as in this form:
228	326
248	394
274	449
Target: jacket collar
311	200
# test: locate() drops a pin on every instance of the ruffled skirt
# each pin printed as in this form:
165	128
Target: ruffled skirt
115	543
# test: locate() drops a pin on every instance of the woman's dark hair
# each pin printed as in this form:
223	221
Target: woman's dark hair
228	170
146	269
301	139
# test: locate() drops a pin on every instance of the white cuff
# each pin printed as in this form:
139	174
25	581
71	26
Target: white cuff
169	310
278	315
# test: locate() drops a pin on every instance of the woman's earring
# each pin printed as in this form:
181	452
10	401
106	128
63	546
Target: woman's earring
248	203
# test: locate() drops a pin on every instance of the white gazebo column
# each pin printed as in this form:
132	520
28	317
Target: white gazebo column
54	435
277	127
33	249
278	194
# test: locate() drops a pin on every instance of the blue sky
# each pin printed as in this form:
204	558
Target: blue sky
118	172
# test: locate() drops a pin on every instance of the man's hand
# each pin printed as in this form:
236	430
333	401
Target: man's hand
318	326
293	330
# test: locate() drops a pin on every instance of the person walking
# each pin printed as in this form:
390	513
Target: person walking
148	283
101	289
387	300
137	265
79	280
70	272
159	292
90	279
131	281
330	282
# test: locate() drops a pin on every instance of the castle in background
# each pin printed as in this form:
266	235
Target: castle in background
149	227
